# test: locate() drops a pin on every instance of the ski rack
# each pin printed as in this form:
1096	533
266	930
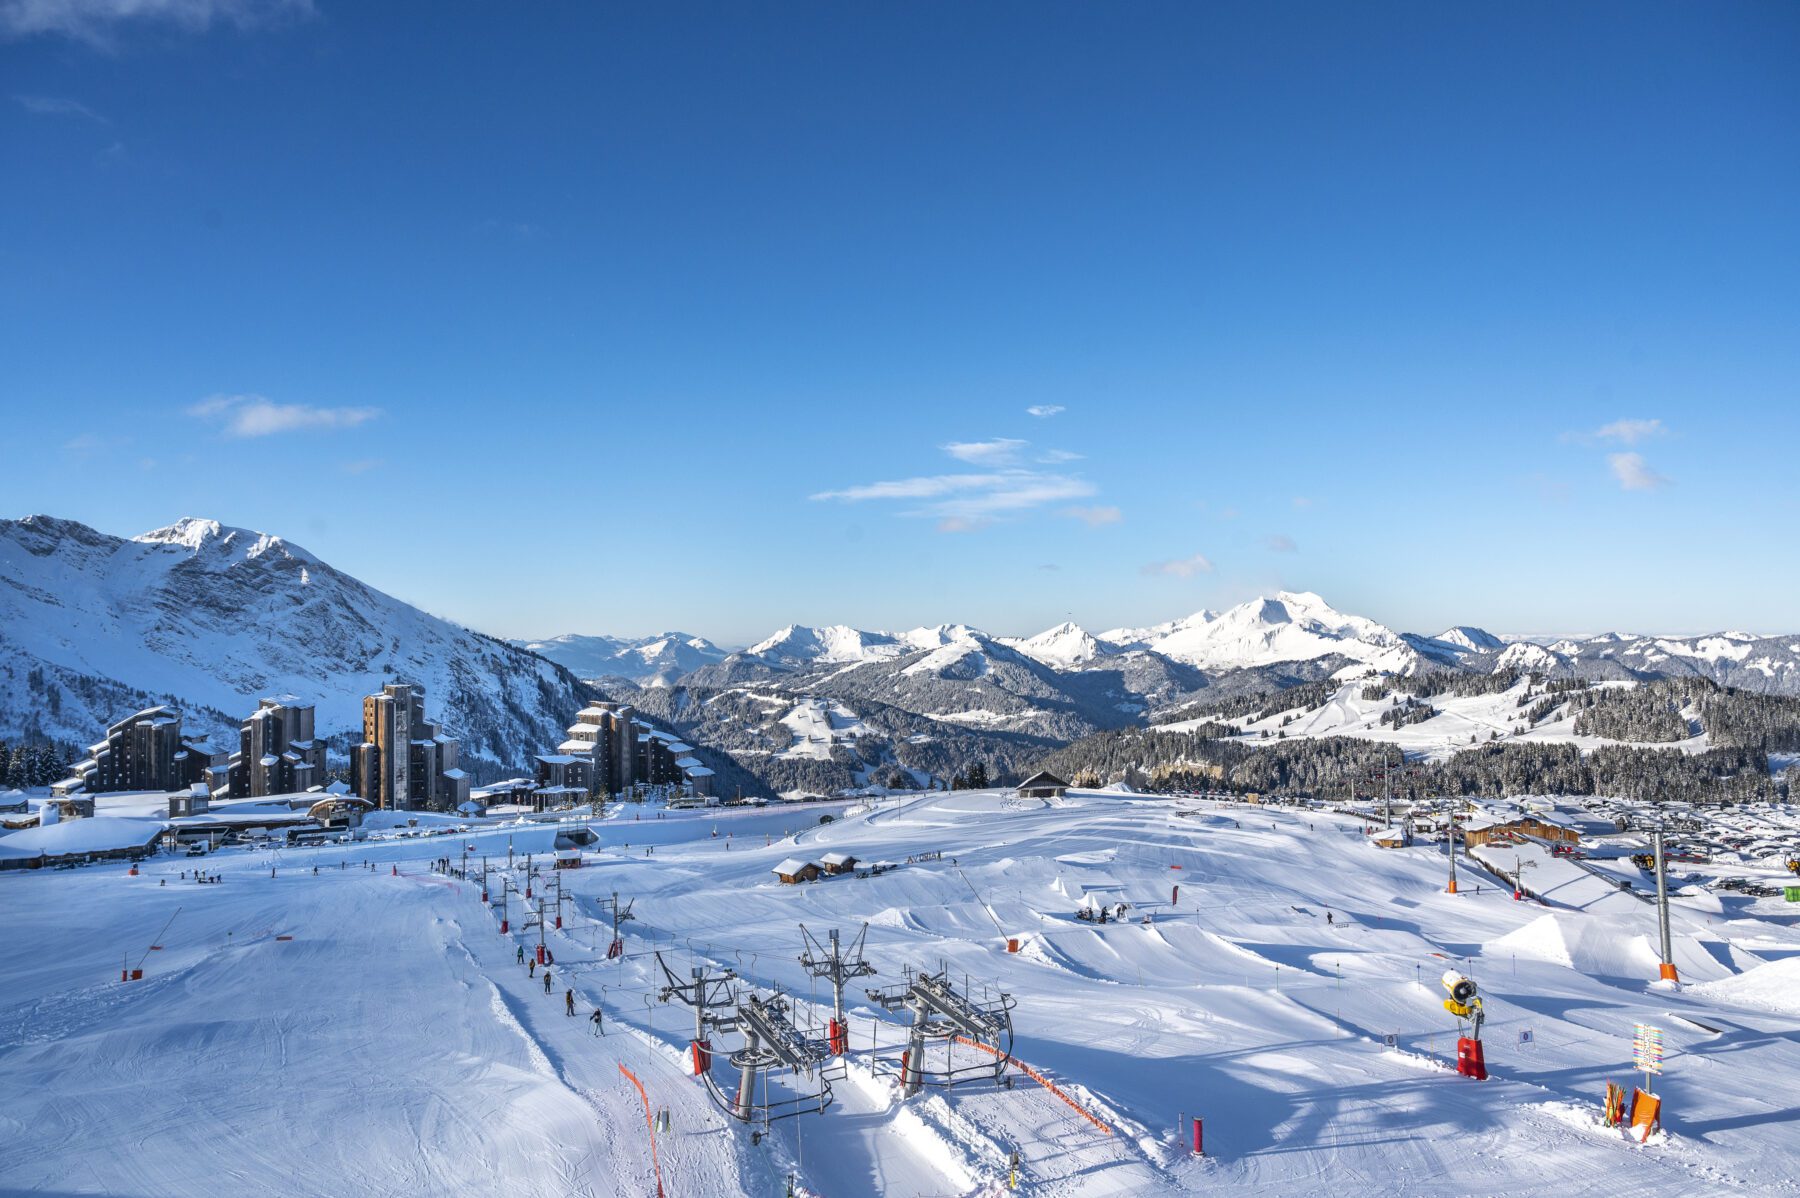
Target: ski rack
942	1012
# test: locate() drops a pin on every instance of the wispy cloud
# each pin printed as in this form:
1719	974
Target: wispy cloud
256	416
1625	431
1043	411
1277	542
1094	517
59	106
971	500
1634	473
1001	451
966	502
1056	457
1181	567
98	22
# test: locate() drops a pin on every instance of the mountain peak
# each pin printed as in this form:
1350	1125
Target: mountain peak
198	533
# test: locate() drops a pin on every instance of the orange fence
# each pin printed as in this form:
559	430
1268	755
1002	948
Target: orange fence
651	1124
1041	1080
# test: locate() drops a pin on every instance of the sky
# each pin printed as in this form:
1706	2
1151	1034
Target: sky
621	318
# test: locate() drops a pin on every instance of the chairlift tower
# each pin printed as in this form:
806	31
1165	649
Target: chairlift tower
1662	906
837	966
706	991
941	1012
770	1042
619	915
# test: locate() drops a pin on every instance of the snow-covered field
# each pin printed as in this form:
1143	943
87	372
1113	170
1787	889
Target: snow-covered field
367	1031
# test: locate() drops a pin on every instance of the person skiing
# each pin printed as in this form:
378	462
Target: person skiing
599	1022
531	968
521	954
569	1002
1329	919
546	981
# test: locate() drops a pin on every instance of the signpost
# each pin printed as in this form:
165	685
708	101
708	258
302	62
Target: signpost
1647	1052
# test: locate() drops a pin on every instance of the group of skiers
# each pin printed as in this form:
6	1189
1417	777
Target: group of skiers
530	962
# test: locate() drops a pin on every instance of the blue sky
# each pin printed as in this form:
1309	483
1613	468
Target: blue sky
616	318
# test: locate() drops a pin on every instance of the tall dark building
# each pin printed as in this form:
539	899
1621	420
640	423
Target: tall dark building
146	751
404	762
276	751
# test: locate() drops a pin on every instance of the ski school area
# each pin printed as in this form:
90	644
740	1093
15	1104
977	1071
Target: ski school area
957	993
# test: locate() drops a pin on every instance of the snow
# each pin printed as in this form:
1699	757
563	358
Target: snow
1061	647
1459	718
393	1045
98	835
816	723
1291	626
215	616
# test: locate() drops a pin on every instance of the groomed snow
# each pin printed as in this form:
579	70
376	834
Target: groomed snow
394	1045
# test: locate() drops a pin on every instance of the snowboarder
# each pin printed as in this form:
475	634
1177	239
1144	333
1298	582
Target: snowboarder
569	1003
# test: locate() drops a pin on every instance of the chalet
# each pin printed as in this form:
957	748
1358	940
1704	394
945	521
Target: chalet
838	863
1529	825
1042	785
793	871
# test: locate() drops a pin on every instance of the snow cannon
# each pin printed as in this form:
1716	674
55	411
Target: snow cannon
1465	1003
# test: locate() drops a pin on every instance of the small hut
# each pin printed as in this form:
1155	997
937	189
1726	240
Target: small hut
1042	785
838	863
793	871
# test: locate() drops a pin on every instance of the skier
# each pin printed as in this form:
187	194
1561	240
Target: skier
546	981
531	968
1328	918
569	1003
598	1021
521	954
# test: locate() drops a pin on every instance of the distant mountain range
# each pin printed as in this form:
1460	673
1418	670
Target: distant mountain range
1293	630
210	617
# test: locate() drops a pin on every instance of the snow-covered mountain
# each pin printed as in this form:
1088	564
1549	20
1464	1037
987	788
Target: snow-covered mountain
212	617
1740	659
1066	645
651	660
1291	626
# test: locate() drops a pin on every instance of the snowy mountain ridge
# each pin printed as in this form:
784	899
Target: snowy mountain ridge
213	617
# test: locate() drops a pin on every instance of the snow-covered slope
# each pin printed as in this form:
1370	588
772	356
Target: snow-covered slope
1288	994
214	616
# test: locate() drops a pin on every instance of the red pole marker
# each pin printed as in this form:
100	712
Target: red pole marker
1199	1144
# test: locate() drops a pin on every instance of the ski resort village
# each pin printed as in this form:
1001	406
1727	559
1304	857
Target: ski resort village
947	599
1274	900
